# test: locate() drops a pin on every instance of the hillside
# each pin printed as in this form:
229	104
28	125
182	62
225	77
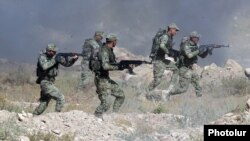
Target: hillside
181	118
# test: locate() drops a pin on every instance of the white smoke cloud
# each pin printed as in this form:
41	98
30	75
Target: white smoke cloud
68	23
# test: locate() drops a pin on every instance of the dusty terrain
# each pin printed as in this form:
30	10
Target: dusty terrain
225	94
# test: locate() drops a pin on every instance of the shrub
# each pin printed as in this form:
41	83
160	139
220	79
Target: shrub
235	85
20	76
50	137
160	109
9	130
7	105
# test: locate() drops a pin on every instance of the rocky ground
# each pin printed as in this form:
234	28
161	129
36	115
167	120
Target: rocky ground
138	120
80	126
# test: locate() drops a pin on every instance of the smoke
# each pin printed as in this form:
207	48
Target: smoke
27	26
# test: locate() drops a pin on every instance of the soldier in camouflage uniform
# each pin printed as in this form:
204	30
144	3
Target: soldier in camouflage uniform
89	45
189	50
104	84
160	64
47	70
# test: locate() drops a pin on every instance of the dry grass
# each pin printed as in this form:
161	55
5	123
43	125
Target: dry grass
9	130
50	137
200	110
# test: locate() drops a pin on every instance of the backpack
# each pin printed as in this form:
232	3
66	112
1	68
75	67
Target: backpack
156	42
94	63
86	49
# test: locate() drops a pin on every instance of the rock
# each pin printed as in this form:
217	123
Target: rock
229	114
21	117
248	105
56	131
24	138
247	72
234	67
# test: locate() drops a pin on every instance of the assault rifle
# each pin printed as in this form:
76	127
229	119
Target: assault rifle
127	64
174	54
210	47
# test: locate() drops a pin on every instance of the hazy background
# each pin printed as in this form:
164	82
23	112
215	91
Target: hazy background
27	26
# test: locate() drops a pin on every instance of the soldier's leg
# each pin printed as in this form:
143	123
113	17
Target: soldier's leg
184	81
54	93
44	101
85	74
158	70
195	80
102	88
175	73
118	93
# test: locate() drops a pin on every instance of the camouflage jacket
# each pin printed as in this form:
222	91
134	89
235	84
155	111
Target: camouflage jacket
47	67
89	46
107	60
165	43
189	53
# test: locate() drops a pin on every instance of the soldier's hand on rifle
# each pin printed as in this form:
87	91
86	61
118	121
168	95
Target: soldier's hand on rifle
170	58
194	67
75	57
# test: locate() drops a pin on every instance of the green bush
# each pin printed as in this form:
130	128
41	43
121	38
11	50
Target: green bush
160	109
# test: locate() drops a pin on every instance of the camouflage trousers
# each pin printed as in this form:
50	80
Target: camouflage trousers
159	66
48	92
104	87
187	76
85	74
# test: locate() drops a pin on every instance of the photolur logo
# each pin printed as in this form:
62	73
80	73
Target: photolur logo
240	132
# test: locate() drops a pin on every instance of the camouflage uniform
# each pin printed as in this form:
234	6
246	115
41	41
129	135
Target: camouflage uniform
104	84
189	56
47	70
160	64
86	72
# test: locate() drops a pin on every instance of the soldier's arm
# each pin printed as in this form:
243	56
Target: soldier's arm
163	42
94	44
67	63
203	53
46	64
105	62
189	52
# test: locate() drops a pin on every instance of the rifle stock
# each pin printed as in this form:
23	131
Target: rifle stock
126	64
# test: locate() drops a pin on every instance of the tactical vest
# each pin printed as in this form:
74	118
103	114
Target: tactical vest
184	61
48	74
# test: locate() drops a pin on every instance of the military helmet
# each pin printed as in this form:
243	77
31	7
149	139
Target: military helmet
51	47
173	25
111	37
195	34
99	33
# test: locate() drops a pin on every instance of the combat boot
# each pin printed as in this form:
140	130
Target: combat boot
99	116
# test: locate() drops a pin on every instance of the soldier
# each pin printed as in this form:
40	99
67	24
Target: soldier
89	45
189	52
160	64
47	70
103	83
